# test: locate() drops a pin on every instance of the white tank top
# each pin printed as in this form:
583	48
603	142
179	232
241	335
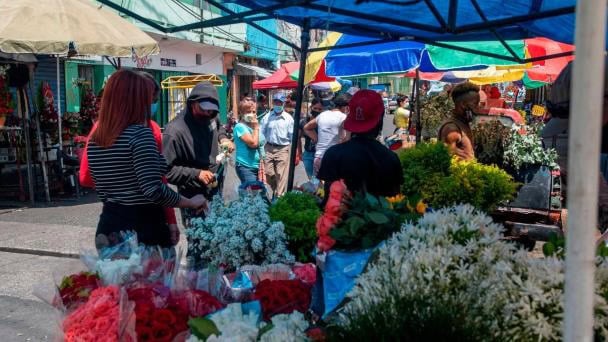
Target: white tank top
328	127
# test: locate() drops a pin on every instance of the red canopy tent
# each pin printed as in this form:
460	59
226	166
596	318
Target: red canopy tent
287	77
281	79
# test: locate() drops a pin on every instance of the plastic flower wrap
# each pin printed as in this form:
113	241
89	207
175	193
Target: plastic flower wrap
282	296
106	316
75	289
237	234
307	273
119	271
125	261
238	323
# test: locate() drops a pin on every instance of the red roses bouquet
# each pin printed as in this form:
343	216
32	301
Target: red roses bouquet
161	315
101	319
75	289
334	209
282	297
195	303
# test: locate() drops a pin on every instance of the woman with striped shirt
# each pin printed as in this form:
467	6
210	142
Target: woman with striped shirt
126	166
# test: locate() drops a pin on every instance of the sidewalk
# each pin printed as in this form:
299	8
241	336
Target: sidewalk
45	239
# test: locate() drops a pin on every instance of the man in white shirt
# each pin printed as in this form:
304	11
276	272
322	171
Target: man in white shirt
326	130
277	127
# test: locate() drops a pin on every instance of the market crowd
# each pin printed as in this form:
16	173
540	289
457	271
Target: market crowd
130	162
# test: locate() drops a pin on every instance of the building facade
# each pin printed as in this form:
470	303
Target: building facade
239	54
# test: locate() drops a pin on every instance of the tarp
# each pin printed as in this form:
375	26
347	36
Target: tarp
435	62
392	57
52	26
444	58
431	20
280	79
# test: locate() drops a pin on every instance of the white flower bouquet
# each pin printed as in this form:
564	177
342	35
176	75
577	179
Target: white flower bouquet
451	277
239	233
234	324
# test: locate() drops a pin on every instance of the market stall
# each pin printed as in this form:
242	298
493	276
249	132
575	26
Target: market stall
71	27
456	249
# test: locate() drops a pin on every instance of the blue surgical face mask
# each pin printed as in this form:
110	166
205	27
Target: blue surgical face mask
153	108
278	109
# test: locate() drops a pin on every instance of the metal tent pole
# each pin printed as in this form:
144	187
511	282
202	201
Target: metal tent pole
587	97
305	40
59	116
418	123
25	116
41	154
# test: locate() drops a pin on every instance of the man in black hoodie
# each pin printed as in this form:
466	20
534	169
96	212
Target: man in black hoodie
191	143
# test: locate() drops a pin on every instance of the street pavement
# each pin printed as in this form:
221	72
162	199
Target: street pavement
39	245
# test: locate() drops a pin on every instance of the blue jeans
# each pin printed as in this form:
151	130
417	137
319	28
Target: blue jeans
308	159
246	174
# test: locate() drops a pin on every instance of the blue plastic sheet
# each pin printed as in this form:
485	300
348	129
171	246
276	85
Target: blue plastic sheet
340	270
424	23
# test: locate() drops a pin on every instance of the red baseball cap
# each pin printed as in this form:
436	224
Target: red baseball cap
365	111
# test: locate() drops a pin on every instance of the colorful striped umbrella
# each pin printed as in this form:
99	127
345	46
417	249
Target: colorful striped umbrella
439	63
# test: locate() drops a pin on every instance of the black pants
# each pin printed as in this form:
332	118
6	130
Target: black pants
148	221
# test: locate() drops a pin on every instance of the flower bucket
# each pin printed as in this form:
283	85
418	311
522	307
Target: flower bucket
339	272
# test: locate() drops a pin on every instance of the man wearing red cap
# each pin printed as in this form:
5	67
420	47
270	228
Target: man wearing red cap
363	162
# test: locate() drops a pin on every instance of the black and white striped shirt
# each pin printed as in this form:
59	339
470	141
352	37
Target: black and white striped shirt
129	172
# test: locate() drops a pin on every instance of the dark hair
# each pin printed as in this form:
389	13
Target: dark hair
315	101
149	76
126	101
342	100
462	89
401	99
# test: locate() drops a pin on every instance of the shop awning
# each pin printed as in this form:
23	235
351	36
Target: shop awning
66	26
251	70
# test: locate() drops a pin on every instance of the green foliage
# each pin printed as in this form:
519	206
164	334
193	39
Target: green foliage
423	164
437	323
556	246
369	221
299	213
434	110
430	171
202	328
490	140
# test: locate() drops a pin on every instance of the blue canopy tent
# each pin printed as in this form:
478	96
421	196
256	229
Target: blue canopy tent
436	22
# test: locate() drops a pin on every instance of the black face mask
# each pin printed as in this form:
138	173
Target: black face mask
314	113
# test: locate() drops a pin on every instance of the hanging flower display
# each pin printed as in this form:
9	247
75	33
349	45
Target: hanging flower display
6	99
88	109
46	104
